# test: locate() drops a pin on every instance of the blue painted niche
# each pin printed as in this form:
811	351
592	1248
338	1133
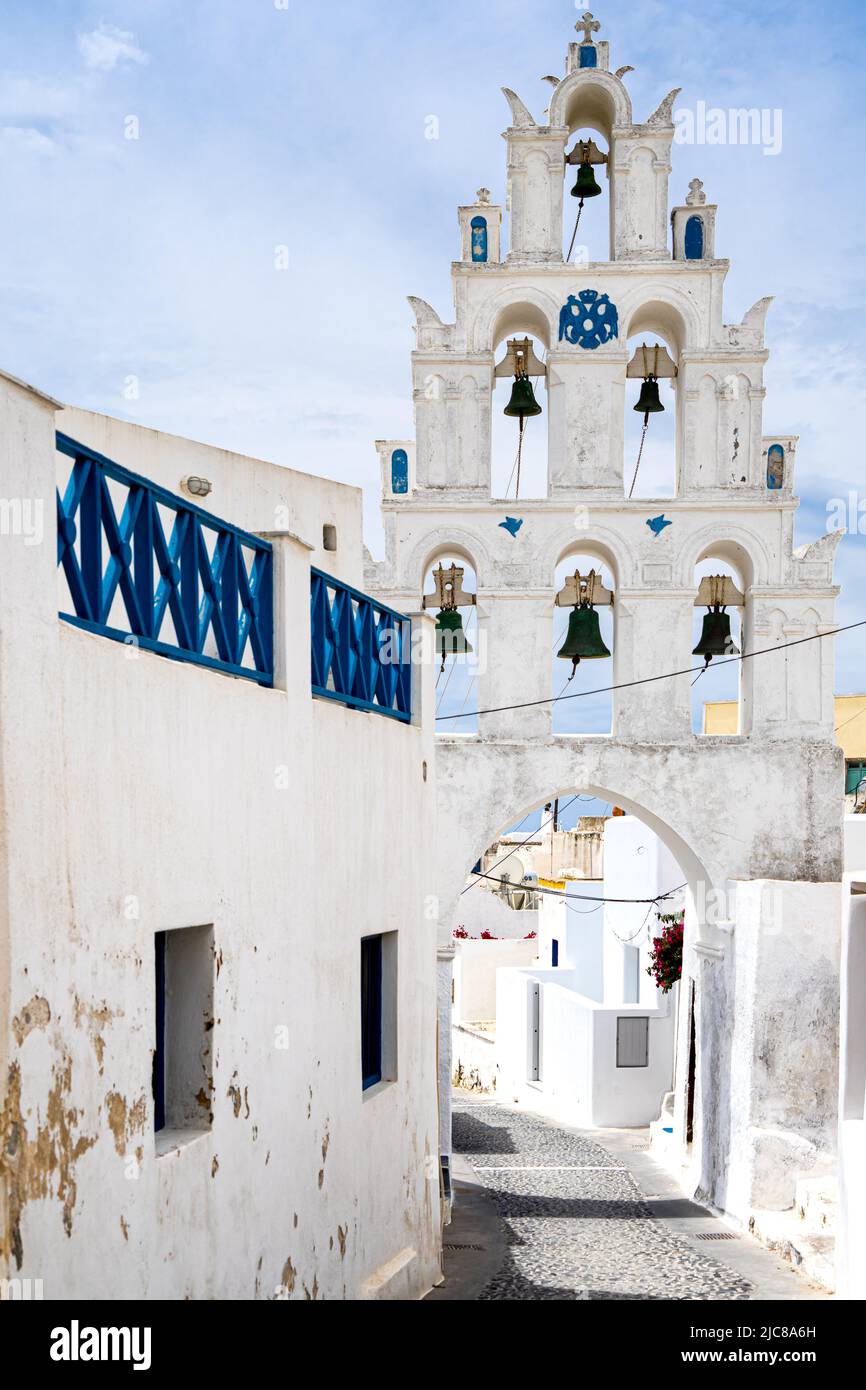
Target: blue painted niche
775	467
479	238
399	471
694	238
588	55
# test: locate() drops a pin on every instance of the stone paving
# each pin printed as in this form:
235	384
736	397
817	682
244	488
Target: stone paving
577	1224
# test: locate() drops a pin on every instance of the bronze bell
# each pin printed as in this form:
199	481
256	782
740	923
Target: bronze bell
586	186
450	637
583	641
523	402
648	402
716	637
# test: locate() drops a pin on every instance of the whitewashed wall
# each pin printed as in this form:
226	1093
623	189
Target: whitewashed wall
140	794
579	1082
475	967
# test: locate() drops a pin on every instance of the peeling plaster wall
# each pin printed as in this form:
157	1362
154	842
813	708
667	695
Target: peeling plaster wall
768	1023
140	795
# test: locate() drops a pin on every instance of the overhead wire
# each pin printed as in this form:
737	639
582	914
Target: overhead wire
517	846
670	675
586	897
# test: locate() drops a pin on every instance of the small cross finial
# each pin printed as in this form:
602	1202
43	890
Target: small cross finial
696	194
589	26
483	195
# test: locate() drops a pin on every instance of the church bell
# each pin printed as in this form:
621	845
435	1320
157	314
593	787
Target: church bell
648	402
523	402
716	637
586	185
450	637
583	641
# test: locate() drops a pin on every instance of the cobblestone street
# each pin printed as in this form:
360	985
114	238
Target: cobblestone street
576	1225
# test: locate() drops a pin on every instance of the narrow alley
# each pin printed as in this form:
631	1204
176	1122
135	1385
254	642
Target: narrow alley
548	1213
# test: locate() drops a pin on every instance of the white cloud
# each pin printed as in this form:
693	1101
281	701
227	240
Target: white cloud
106	46
25	140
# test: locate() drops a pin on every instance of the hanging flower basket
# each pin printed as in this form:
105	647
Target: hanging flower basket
666	963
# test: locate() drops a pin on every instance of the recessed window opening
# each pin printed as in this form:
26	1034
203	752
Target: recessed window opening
184	1021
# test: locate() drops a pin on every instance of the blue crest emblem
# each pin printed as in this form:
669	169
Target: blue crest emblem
588	319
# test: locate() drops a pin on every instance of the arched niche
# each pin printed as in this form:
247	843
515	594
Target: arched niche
669	313
527	317
593	97
399	472
668	319
693	241
479	239
456	679
775	468
461	546
534	313
717	690
586	713
590	238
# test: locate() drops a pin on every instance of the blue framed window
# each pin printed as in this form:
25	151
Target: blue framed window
554	953
159	1049
371	1011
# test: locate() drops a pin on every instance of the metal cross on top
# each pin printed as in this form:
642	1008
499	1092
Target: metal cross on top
589	26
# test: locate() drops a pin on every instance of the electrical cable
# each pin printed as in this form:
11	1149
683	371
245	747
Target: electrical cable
586	897
624	940
670	675
519	845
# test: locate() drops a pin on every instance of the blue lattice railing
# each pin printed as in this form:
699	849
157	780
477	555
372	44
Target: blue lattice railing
361	650
146	567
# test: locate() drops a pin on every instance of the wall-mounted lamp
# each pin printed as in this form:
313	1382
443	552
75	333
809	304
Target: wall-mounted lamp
196	487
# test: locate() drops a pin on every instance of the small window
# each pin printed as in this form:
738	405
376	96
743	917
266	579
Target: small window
329	537
632	1042
554	953
378	1009
182	1057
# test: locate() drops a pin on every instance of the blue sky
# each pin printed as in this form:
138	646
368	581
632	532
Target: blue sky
304	127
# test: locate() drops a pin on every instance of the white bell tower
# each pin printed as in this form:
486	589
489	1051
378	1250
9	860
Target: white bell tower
764	804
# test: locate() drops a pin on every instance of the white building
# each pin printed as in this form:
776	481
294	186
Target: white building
589	1040
217	998
752	819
